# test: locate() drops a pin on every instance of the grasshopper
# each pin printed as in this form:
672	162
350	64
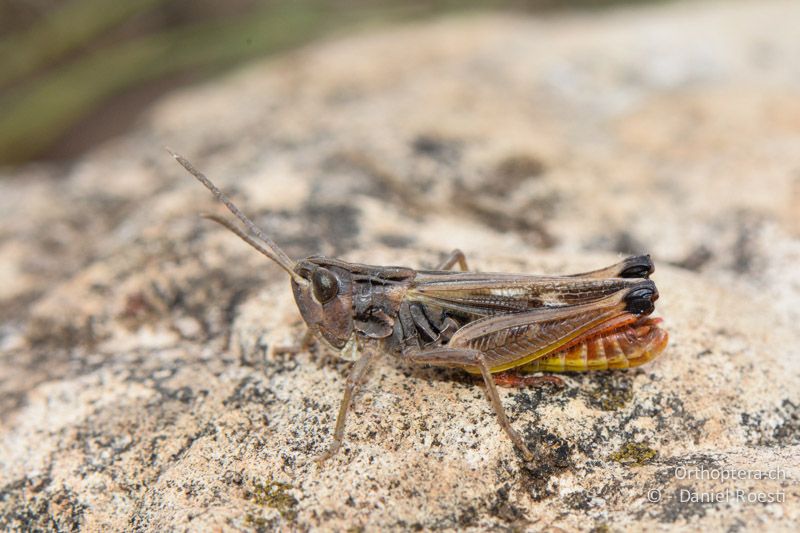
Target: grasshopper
489	324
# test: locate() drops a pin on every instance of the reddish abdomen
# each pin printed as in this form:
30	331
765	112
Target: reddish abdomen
625	347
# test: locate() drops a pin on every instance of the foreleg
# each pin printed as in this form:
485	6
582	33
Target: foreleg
356	375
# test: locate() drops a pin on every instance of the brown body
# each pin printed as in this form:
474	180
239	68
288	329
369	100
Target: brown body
483	323
561	323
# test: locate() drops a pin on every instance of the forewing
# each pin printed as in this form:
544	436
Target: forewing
512	340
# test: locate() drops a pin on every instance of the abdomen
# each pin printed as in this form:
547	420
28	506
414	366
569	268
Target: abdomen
626	347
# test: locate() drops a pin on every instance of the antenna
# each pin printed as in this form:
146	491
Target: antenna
272	250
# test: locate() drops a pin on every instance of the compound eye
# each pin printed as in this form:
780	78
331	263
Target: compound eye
325	286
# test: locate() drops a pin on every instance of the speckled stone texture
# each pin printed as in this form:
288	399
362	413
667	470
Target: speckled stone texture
137	390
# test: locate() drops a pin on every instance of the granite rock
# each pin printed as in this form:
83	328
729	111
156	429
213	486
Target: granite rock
137	387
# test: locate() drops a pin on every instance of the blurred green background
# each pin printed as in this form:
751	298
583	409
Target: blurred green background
76	72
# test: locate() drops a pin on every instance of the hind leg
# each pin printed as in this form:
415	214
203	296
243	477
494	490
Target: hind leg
466	358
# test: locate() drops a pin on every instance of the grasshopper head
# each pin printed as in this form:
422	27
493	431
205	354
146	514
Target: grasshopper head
325	301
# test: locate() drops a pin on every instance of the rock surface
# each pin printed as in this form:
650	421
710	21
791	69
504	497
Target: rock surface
137	390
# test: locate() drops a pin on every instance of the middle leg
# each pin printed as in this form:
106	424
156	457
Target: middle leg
456	256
